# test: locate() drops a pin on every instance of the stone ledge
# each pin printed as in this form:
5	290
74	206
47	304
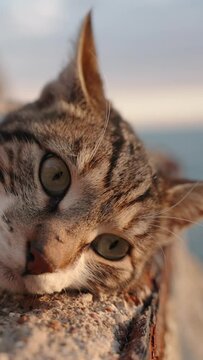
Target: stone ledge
82	326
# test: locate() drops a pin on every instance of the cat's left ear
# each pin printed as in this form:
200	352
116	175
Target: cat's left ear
80	81
183	202
87	69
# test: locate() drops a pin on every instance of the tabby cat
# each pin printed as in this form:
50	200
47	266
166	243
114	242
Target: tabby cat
81	205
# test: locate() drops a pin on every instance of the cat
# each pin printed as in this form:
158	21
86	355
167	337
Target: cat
81	205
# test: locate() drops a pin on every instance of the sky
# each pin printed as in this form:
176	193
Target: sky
150	53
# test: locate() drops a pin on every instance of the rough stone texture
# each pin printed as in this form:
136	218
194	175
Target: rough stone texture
65	326
81	326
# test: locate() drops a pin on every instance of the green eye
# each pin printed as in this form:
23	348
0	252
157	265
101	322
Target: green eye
54	175
110	246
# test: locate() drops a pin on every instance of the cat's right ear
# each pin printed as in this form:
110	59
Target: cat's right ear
80	81
183	202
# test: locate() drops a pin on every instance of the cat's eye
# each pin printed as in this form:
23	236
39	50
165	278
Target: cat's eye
110	246
54	175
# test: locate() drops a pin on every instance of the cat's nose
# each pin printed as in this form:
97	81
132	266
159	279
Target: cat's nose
37	263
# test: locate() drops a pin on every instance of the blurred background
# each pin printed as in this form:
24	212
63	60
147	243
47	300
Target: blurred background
151	56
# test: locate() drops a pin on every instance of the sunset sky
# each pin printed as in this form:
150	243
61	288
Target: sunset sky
150	51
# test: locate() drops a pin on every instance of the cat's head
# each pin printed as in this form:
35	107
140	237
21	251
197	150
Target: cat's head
80	204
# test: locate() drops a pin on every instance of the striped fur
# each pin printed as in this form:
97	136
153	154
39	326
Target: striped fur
113	189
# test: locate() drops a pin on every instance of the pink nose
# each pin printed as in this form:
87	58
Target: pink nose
36	263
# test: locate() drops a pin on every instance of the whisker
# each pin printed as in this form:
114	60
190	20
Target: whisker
160	247
107	117
197	223
163	252
165	211
169	231
182	219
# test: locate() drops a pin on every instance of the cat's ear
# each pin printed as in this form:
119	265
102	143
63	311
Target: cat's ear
184	202
87	69
80	81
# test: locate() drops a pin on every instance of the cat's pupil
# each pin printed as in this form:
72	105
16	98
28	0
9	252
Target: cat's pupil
113	245
57	176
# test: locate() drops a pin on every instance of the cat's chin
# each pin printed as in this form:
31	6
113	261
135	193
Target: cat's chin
43	284
73	278
47	283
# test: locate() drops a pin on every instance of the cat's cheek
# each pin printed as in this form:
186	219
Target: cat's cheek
12	253
105	274
10	281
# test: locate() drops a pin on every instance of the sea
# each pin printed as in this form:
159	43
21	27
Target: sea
186	147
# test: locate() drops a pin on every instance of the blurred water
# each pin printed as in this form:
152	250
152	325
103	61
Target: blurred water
187	148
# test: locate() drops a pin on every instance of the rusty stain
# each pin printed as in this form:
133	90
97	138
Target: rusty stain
144	338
